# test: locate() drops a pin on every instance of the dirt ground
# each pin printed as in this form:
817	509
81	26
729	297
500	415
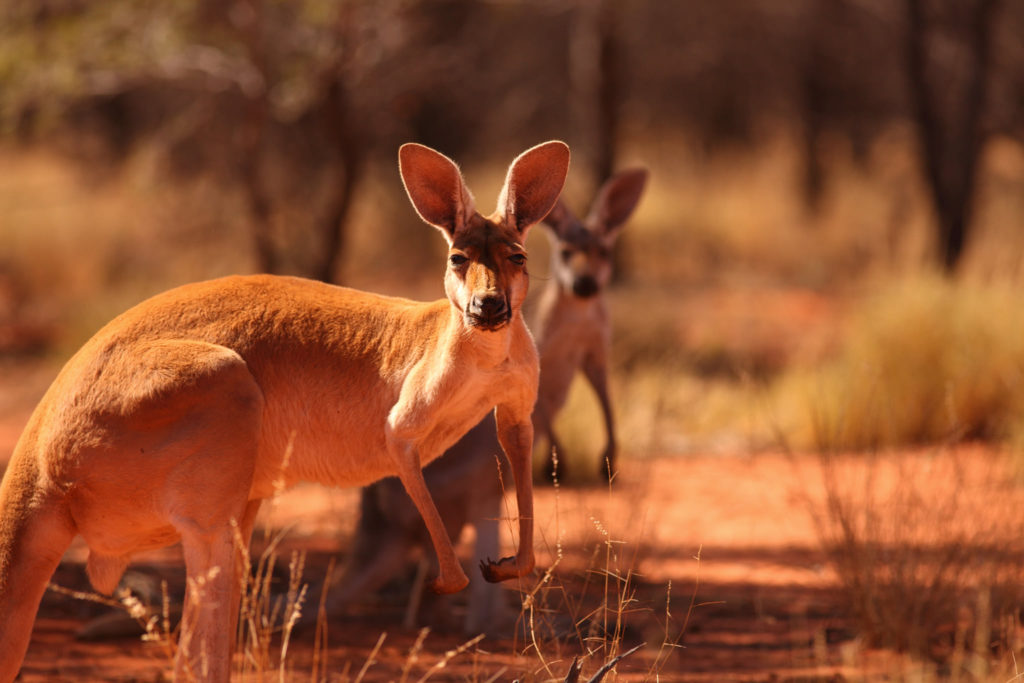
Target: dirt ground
710	562
724	542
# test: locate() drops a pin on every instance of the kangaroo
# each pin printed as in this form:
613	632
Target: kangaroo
574	329
181	415
571	325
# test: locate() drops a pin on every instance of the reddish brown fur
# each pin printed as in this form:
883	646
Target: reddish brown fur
176	419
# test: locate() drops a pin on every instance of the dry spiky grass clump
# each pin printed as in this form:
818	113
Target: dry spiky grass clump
926	360
926	544
927	548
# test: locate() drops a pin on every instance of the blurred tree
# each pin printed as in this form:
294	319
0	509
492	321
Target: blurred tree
323	62
847	86
596	82
949	55
281	102
286	103
252	92
595	78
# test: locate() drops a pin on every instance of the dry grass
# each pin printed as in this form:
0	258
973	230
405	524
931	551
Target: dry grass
926	360
80	247
586	608
570	613
928	551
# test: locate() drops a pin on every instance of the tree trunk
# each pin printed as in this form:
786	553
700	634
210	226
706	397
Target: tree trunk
948	100
595	77
596	68
349	153
256	195
252	142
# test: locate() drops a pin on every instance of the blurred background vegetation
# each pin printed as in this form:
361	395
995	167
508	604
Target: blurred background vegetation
836	205
828	257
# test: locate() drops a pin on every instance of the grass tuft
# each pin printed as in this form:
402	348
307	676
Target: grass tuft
927	551
926	360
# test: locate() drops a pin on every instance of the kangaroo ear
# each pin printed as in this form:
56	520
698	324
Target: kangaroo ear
616	200
533	183
560	218
435	188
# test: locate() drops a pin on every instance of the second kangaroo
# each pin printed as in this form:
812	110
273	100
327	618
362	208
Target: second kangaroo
571	326
573	330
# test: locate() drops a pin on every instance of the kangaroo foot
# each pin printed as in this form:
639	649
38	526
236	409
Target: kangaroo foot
502	570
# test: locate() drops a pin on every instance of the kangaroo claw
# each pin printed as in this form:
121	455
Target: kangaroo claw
502	570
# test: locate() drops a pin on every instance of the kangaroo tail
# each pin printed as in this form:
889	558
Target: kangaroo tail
35	530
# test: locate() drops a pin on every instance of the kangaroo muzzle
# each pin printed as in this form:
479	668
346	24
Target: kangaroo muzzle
489	312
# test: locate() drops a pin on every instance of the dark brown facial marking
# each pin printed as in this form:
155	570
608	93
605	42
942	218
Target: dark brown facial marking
488	261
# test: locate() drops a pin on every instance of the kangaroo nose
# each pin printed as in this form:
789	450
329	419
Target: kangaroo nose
490	308
585	286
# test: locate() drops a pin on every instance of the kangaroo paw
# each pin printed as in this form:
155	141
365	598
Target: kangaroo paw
502	570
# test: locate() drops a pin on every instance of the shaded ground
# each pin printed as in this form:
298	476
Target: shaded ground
711	561
724	543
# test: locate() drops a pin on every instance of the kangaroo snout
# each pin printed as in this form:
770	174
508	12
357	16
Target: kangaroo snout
585	286
489	311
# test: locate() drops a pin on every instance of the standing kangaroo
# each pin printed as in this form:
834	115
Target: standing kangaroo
574	328
571	326
176	419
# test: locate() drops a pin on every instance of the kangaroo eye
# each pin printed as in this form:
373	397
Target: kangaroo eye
566	254
518	259
457	260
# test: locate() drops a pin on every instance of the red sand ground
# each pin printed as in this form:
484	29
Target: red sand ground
726	582
758	604
764	603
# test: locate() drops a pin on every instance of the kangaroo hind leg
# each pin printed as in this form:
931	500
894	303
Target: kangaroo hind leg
213	443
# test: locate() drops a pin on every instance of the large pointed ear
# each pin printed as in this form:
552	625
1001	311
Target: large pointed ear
560	218
533	183
436	188
616	200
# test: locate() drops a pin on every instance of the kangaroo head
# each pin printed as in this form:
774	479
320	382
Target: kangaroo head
486	278
582	259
